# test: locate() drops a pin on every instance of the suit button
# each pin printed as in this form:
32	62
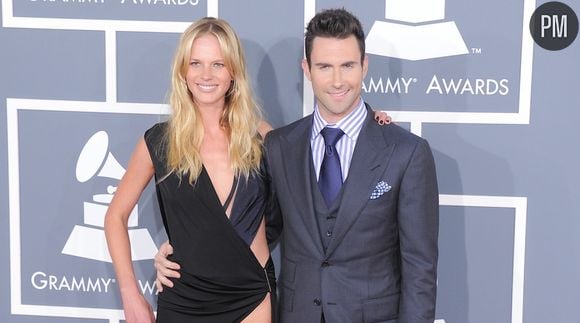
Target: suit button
325	263
317	301
329	233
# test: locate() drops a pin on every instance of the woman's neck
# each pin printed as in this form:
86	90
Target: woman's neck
211	117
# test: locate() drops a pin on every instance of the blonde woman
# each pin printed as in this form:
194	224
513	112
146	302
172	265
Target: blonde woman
211	189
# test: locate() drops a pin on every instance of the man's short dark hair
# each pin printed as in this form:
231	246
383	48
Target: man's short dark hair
334	23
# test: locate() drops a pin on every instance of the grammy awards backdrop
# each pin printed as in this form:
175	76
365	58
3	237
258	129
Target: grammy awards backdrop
81	80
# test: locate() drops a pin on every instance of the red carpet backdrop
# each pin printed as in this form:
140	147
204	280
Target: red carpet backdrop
81	80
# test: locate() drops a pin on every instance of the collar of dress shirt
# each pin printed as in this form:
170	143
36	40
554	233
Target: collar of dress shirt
350	124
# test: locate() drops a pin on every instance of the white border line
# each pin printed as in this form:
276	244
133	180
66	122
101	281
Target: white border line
416	118
12	108
520	205
527	62
111	66
10	21
85	106
212	8
13	205
307	93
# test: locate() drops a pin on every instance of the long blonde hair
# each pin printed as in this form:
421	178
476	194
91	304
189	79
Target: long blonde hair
241	113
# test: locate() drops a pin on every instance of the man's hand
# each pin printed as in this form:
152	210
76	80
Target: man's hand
165	268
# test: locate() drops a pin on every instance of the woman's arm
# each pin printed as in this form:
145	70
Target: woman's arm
138	174
263	128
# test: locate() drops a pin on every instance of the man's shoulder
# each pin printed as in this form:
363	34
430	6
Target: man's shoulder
298	125
394	133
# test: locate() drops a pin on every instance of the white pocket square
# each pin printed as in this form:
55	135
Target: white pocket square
381	188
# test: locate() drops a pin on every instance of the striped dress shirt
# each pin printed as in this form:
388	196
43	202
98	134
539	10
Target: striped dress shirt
350	125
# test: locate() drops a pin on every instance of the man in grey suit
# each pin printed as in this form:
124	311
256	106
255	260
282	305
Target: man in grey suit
367	253
359	201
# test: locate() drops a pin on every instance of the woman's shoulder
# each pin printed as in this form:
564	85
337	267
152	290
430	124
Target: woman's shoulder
155	138
156	131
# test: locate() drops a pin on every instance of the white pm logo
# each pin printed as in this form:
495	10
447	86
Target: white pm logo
89	241
423	39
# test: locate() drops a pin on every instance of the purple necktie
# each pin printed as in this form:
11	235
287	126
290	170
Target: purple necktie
330	178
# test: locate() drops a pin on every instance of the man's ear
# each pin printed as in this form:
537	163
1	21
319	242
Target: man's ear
365	66
306	69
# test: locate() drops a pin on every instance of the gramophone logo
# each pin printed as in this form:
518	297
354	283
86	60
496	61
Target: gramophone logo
417	30
88	240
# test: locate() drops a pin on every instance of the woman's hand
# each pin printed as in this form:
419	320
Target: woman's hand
382	118
165	268
137	309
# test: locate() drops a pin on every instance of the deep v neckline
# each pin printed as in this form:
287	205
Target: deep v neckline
234	217
231	199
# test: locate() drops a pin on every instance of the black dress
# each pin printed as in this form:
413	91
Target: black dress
221	279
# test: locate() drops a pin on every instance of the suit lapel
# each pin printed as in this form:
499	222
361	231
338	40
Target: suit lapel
297	166
369	161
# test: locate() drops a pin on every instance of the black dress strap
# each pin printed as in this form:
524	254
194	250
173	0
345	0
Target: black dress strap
232	192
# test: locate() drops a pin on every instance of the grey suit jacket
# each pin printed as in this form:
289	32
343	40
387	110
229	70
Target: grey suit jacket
381	264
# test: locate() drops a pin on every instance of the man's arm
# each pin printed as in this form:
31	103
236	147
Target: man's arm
273	213
418	216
